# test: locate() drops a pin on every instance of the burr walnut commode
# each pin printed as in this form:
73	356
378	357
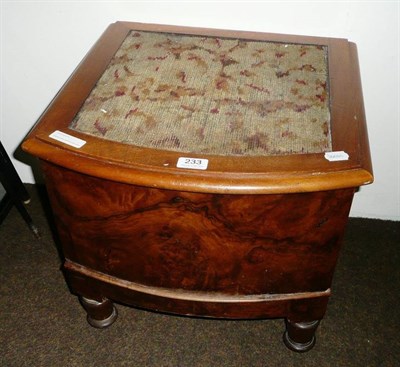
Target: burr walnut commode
205	172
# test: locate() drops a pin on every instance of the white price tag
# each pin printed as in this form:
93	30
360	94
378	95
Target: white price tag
192	163
67	139
336	156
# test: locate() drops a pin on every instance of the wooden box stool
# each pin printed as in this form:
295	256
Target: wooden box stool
206	172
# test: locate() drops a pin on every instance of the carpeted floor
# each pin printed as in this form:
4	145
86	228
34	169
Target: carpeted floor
42	324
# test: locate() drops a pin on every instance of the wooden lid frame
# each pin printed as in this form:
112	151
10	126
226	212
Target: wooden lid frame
224	174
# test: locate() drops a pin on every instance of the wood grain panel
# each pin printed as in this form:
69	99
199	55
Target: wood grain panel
237	244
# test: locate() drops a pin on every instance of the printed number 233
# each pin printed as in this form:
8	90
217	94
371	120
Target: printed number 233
192	161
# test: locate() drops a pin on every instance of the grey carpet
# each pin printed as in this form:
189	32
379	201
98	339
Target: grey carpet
42	324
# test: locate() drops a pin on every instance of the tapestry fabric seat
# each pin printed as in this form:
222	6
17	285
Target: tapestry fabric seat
210	95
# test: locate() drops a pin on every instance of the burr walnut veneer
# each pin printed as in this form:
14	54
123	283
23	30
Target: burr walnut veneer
269	132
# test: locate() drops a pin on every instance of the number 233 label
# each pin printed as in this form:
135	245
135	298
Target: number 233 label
192	163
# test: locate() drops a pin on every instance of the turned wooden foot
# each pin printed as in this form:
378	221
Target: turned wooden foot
99	314
300	336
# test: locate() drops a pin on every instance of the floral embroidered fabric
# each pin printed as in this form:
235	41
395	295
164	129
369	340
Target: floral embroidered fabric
212	95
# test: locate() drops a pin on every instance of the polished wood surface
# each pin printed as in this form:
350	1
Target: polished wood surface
210	255
250	237
233	244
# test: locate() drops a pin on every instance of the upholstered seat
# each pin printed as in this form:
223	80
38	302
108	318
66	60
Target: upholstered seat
212	95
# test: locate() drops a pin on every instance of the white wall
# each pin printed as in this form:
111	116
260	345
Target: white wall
42	42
